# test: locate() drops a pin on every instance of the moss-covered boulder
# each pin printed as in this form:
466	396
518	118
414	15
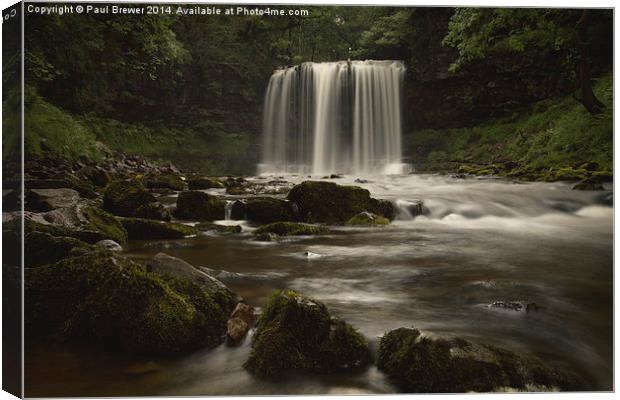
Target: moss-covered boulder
42	248
203	182
194	205
163	181
105	299
265	210
291	229
50	199
419	364
225	229
149	229
330	203
367	219
131	199
105	223
297	333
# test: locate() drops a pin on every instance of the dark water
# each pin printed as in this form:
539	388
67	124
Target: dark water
481	241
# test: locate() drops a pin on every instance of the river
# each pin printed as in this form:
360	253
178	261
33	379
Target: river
480	241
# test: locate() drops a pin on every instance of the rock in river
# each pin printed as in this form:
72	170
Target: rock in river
195	205
241	320
298	333
131	199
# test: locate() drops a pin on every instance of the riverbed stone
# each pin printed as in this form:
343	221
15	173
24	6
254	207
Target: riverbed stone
149	229
130	198
195	205
298	333
204	182
225	229
367	219
291	229
330	203
166	265
265	210
420	364
241	320
105	299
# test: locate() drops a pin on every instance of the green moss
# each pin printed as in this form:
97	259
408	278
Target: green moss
130	199
198	183
266	210
198	205
43	248
297	333
291	229
367	219
111	301
330	203
165	181
420	364
208	226
106	223
140	229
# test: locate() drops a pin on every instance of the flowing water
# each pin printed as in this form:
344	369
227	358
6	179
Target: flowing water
333	116
480	241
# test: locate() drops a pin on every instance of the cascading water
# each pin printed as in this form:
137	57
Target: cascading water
334	117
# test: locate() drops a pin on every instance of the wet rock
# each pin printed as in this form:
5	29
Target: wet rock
241	320
309	254
198	183
237	210
96	175
298	333
359	180
131	199
335	176
109	245
515	305
588	184
148	229
83	187
108	300
165	265
606	199
291	229
163	181
194	205
265	210
50	199
330	203
367	219
226	229
419	364
266	237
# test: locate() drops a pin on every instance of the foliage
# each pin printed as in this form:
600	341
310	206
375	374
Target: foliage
554	132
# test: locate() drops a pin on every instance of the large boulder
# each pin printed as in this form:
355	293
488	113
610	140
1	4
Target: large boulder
330	203
419	364
103	298
165	265
64	180
130	199
198	205
163	181
203	182
143	229
50	199
297	333
291	229
42	248
265	210
237	210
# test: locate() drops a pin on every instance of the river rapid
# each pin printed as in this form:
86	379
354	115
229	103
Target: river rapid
480	241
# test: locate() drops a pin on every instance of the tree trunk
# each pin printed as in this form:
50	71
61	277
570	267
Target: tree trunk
588	99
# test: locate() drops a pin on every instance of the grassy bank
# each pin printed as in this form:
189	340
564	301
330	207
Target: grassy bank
552	133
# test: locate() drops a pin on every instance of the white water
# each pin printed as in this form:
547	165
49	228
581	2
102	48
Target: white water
334	117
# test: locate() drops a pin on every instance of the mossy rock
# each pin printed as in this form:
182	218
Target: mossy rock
105	299
588	184
195	205
297	333
131	199
163	181
266	210
149	229
203	182
291	229
83	187
227	229
42	248
327	202
106	223
419	364
367	219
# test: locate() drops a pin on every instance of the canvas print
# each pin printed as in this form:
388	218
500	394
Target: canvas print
210	199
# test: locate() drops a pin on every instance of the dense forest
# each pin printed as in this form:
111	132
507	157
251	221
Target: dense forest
531	86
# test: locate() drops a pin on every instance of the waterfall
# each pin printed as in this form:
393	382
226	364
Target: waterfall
334	117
